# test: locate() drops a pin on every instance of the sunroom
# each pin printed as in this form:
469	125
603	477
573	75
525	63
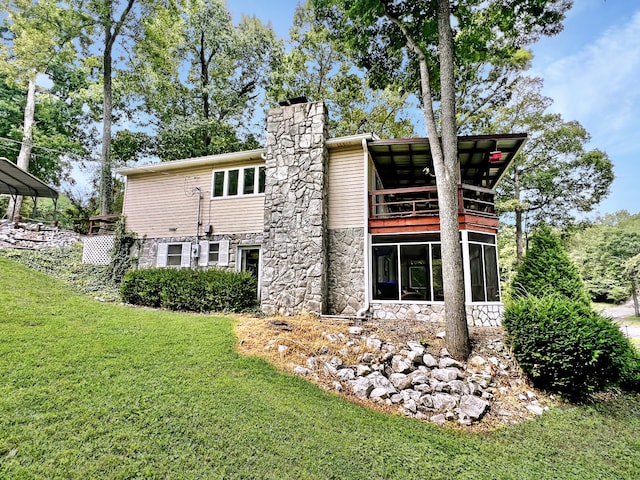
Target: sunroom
404	226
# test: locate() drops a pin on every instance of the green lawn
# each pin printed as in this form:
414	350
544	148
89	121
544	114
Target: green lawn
91	390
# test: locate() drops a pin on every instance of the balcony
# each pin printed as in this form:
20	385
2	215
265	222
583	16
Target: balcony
415	209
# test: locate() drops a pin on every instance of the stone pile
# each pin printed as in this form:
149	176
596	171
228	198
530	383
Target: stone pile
421	384
34	236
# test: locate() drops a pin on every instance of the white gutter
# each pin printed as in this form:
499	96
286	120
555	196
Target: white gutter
193	162
367	276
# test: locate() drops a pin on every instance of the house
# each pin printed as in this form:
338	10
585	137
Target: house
339	226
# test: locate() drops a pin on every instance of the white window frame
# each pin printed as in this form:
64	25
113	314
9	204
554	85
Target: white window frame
241	175
223	253
163	255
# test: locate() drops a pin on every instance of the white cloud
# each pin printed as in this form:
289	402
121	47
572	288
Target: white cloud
599	85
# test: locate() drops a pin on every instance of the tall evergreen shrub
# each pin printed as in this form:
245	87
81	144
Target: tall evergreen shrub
547	269
565	347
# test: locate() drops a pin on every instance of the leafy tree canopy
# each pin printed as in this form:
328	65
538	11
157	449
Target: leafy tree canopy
318	68
601	252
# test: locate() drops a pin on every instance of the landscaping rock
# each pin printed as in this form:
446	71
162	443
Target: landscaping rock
361	387
400	380
302	371
401	364
473	407
445	374
444	401
446	362
373	343
429	360
346	374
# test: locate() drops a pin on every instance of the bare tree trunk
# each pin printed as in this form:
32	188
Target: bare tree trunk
27	143
634	293
106	197
518	215
445	164
447	181
110	36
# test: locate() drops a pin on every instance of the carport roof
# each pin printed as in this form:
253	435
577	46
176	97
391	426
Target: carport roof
15	181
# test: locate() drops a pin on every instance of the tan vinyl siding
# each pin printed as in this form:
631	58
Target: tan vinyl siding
345	187
165	205
237	215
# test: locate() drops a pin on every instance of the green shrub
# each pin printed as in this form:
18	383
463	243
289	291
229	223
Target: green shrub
565	347
547	269
193	290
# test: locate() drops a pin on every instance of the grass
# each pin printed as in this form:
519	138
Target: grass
93	390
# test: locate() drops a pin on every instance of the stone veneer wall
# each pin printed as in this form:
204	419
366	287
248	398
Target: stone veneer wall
477	315
149	254
295	241
345	275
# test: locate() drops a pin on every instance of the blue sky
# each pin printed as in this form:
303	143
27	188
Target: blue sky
591	70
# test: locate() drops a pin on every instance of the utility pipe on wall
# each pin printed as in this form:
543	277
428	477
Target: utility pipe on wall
367	280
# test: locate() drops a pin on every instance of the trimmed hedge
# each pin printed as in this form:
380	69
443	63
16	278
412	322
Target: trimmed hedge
547	270
565	347
191	290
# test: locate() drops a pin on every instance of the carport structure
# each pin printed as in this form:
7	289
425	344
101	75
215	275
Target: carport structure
15	181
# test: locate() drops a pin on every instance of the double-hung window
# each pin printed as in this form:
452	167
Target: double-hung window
176	254
214	253
239	181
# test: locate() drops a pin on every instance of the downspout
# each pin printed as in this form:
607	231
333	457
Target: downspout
198	223
367	280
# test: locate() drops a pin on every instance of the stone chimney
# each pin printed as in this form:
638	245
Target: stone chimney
294	258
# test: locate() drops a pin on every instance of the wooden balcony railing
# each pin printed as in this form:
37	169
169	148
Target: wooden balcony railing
103	224
423	202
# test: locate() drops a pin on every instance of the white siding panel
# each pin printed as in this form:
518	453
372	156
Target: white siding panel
345	188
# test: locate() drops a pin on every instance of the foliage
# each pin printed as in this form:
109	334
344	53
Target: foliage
94	390
547	270
59	125
565	347
554	178
632	272
191	290
124	253
65	264
600	251
316	67
200	77
507	256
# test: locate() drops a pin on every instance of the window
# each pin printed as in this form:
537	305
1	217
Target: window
483	261
407	272
249	181
218	184
174	254
232	182
238	182
409	268
214	253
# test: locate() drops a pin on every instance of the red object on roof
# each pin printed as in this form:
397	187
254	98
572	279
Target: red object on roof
495	156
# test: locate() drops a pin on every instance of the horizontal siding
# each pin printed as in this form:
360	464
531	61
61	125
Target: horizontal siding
345	188
237	215
165	205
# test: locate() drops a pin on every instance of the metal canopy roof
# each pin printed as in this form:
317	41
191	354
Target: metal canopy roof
402	162
15	181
